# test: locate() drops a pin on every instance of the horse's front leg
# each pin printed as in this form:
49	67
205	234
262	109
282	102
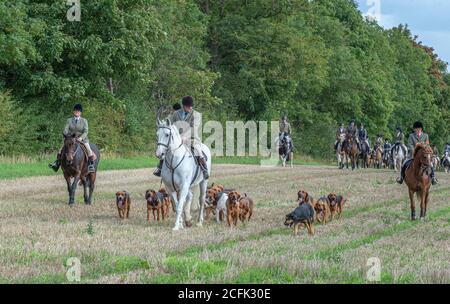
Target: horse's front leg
73	190
187	209
423	199
85	190
413	205
69	189
427	198
179	201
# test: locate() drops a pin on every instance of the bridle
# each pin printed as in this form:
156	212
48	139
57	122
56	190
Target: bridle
170	165
67	152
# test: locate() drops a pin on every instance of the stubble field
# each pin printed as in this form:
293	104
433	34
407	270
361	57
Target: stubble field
39	232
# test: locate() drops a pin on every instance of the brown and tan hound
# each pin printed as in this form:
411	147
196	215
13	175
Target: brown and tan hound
336	203
123	202
233	211
245	208
158	203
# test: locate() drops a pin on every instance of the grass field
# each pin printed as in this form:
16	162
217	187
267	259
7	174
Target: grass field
40	232
38	166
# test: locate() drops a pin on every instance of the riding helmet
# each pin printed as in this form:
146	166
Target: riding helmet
78	107
418	125
399	129
187	101
176	106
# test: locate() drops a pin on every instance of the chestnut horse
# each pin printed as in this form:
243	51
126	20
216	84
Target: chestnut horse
417	178
351	150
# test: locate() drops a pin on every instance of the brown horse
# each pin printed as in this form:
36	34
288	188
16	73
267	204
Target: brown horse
417	178
351	150
378	157
74	165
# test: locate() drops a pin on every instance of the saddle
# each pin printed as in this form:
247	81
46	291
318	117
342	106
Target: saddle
196	157
83	148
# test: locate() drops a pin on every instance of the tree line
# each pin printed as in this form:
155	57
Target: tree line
320	62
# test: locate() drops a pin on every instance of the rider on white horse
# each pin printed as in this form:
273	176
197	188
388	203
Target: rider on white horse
400	140
285	130
340	136
188	121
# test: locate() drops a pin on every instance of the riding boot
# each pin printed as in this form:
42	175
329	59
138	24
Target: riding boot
204	167
157	171
91	165
402	174
56	164
434	180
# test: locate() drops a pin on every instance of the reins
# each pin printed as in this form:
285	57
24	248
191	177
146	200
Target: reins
170	166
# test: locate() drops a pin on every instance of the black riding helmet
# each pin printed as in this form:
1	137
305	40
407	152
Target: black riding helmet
418	125
187	101
78	107
176	106
399	129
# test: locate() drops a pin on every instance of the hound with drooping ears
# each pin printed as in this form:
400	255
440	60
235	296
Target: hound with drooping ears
158	203
336	204
123	202
233	211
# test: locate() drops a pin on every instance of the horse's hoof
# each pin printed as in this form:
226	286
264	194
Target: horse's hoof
199	224
176	228
188	224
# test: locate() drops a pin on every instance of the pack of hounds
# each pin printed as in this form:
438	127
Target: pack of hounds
231	206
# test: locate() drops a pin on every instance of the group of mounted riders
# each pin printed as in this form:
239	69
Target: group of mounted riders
79	161
384	151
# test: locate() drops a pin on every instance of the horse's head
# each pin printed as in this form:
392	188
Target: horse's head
167	137
424	154
69	147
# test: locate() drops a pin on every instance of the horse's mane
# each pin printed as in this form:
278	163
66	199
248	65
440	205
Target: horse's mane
421	146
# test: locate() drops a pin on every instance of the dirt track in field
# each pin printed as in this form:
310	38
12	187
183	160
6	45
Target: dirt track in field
39	232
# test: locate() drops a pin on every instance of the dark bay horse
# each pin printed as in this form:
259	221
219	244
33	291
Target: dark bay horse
351	150
74	166
365	155
417	178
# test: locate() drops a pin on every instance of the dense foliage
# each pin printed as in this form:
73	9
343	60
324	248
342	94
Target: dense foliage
318	61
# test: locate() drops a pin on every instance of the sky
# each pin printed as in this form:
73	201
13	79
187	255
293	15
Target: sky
429	19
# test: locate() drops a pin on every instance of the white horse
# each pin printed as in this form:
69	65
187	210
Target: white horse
398	157
180	172
340	155
446	162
